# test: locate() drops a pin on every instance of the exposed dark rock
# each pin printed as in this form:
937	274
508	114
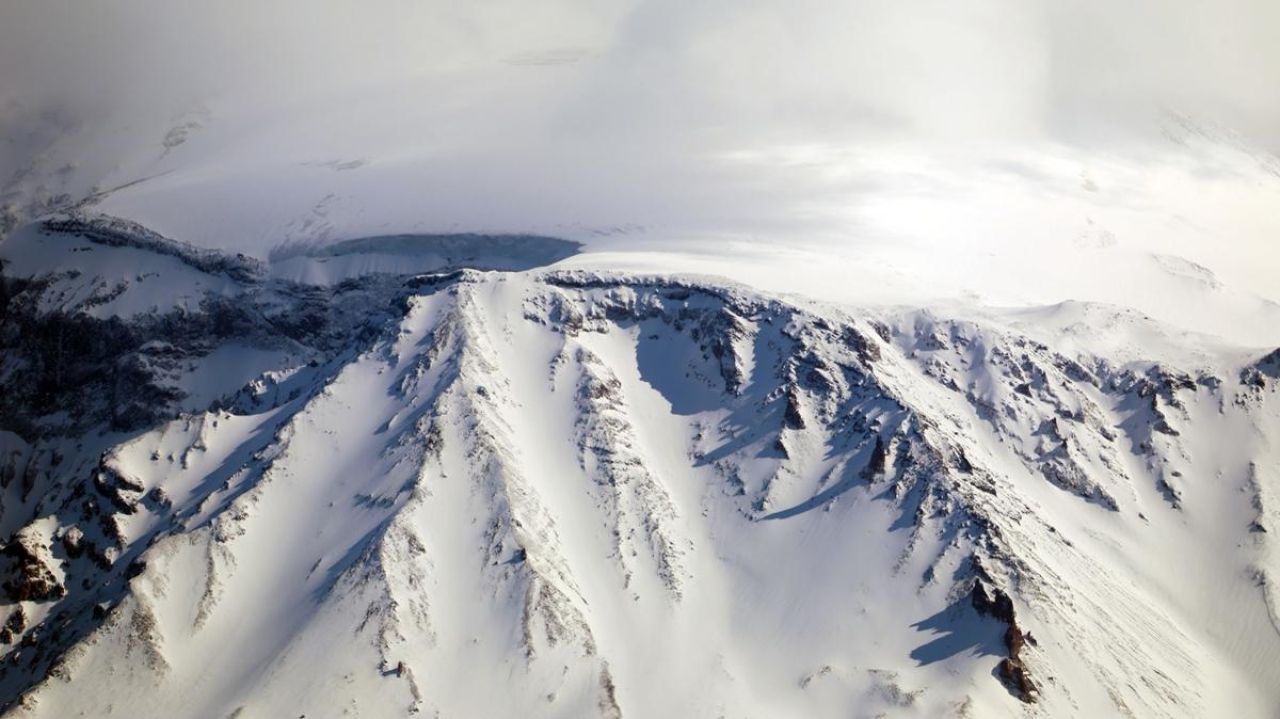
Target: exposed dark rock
1257	374
1015	676
158	498
875	465
865	347
14	626
992	602
27	578
792	417
608	703
117	232
883	331
116	489
81	372
73	542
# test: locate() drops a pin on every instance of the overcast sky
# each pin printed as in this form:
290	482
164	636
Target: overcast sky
1081	71
777	119
1004	151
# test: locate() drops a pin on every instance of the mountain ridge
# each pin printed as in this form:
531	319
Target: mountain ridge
625	495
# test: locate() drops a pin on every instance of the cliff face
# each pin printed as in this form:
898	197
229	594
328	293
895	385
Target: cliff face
495	493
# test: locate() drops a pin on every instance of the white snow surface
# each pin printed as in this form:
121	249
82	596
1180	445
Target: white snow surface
749	450
577	493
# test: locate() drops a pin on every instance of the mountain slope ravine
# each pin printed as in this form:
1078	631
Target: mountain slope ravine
568	494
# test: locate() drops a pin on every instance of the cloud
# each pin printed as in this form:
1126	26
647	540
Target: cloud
989	68
711	116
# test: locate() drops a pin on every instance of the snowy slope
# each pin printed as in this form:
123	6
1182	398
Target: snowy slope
545	492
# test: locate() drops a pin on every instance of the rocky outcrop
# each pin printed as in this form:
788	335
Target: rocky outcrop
118	232
687	414
27	575
14	626
633	499
1264	372
991	601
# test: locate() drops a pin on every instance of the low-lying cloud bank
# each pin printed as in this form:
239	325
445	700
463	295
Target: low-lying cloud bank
952	141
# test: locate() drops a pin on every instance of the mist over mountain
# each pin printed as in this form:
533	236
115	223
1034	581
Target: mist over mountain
639	359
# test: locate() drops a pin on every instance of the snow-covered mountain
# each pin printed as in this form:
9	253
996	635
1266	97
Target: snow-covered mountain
454	476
